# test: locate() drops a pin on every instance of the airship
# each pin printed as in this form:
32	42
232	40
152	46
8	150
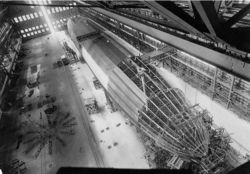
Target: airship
150	103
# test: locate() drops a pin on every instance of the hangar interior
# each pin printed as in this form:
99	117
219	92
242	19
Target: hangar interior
124	84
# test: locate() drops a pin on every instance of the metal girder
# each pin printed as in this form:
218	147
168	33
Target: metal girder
48	5
196	14
2	13
109	4
171	11
243	12
129	6
227	63
217	6
209	16
190	5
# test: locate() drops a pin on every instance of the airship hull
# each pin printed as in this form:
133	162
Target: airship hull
103	63
161	112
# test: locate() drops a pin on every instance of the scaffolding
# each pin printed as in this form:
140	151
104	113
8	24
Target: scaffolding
167	117
174	125
230	91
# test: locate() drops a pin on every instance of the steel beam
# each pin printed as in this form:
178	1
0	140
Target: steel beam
230	92
171	11
129	6
2	13
220	60
243	12
217	6
209	17
190	6
17	3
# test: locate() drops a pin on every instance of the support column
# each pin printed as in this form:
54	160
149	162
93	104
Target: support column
215	76
141	73
230	92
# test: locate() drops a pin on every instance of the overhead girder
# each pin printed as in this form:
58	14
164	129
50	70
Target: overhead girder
3	11
209	17
101	4
221	60
172	12
111	4
190	6
238	16
129	6
217	6
196	14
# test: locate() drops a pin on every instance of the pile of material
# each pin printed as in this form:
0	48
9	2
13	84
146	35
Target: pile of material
45	100
97	84
91	106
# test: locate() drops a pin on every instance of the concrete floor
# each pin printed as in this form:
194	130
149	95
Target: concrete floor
234	125
118	141
57	82
119	146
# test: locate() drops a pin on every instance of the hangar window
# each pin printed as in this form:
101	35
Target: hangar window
20	18
24	35
30	29
48	11
36	15
16	20
32	16
57	9
43	30
39	31
37	27
28	17
26	30
31	33
33	28
35	32
41	26
53	11
22	31
28	34
40	13
24	18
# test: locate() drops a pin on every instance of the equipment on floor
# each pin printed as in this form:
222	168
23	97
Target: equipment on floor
65	60
33	76
26	108
91	106
50	109
31	92
97	84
